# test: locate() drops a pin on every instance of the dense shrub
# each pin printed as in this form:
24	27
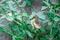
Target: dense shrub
41	25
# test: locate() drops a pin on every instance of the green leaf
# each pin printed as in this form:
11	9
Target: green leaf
42	29
56	19
29	34
41	15
19	17
6	31
32	15
46	3
24	3
44	7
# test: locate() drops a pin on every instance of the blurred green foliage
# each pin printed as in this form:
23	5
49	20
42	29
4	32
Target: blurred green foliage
20	25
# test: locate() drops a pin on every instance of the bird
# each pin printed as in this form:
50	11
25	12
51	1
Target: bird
36	23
